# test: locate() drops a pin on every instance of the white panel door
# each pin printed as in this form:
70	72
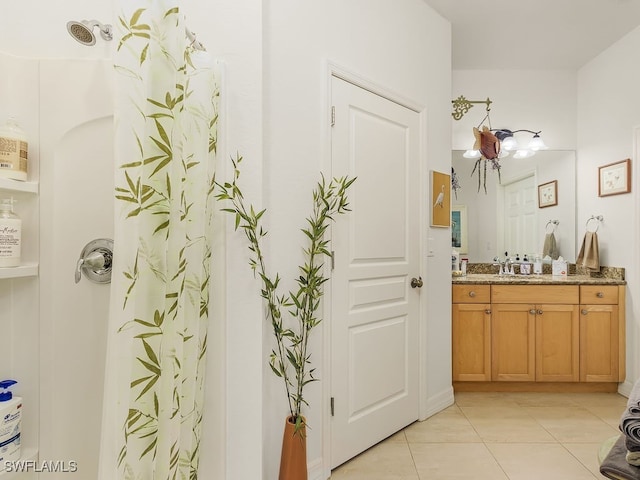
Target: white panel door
521	216
374	312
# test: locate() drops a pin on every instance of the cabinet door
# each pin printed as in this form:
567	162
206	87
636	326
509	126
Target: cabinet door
599	343
513	342
471	347
557	343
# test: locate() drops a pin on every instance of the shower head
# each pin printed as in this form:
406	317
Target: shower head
83	31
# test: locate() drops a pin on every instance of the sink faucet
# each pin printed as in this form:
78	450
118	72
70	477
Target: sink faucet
506	265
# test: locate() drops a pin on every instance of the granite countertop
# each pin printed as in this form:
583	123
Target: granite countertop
484	278
486	273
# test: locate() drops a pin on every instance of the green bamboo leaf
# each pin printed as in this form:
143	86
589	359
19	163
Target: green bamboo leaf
149	385
149	448
151	354
156	103
152	368
143	53
172	11
136	16
138	382
134	212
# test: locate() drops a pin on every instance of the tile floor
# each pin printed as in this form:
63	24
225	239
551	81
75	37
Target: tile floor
498	436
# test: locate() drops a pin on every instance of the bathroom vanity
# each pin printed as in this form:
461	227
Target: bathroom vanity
538	333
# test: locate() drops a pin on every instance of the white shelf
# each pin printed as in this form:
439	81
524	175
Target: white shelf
18	186
28	454
26	270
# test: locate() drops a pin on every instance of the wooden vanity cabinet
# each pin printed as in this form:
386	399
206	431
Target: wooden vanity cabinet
535	333
601	329
538	334
471	333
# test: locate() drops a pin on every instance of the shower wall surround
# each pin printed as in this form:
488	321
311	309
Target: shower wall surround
58	328
19	307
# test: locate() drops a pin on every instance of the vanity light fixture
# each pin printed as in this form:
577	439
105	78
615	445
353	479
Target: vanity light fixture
508	142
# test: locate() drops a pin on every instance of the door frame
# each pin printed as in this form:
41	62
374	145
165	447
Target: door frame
334	70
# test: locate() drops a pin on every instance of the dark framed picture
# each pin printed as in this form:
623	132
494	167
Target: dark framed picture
614	178
548	194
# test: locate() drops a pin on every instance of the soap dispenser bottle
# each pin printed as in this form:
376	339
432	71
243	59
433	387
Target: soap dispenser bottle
10	417
10	234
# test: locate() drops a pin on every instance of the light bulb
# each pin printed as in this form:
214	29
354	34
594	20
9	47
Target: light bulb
472	154
524	153
509	144
536	143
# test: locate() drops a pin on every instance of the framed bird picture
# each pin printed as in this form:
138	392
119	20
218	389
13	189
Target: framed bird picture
440	199
614	178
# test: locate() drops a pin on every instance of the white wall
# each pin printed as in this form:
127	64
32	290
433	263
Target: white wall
608	111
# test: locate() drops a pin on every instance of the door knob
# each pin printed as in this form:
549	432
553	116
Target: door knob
416	282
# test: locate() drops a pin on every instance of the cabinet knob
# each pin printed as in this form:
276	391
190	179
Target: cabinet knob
532	311
488	311
539	311
472	293
584	311
600	294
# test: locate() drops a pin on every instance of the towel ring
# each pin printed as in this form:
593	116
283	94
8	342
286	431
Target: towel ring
553	228
597	219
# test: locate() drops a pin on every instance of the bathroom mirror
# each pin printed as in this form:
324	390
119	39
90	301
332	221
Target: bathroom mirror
509	218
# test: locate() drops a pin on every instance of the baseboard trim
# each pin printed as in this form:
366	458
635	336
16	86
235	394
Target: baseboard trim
437	403
560	387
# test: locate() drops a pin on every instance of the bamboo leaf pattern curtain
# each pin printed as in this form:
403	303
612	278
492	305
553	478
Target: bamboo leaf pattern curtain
165	136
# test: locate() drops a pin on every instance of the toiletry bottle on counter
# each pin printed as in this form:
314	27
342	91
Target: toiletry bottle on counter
10	416
10	234
13	151
455	261
537	264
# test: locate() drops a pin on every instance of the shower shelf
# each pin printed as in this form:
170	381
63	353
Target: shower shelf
18	186
25	270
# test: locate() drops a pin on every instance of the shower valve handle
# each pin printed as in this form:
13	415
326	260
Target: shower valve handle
95	261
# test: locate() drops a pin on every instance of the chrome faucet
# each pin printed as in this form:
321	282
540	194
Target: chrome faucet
506	265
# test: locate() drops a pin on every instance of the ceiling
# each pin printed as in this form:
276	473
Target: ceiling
534	34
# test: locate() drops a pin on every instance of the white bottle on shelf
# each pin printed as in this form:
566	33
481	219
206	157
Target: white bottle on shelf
10	234
10	417
14	147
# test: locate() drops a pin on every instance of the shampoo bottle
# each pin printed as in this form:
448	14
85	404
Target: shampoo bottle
10	234
13	151
10	416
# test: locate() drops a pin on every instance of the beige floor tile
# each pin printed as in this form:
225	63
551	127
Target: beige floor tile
543	399
608	414
587	454
455	461
491	399
599	399
525	430
541	461
385	461
448	426
572	425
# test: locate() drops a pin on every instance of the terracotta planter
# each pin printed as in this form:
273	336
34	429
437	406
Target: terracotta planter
293	460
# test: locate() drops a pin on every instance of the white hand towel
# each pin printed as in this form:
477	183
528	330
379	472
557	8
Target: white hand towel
550	247
589	255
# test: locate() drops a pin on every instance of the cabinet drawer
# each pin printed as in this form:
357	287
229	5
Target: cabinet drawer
535	294
472	293
599	294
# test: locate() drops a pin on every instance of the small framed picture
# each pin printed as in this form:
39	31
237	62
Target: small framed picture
459	228
440	199
548	194
614	178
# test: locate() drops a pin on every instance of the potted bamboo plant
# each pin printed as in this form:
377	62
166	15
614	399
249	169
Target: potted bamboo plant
292	315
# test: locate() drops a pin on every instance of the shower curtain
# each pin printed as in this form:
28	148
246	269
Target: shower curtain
165	138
